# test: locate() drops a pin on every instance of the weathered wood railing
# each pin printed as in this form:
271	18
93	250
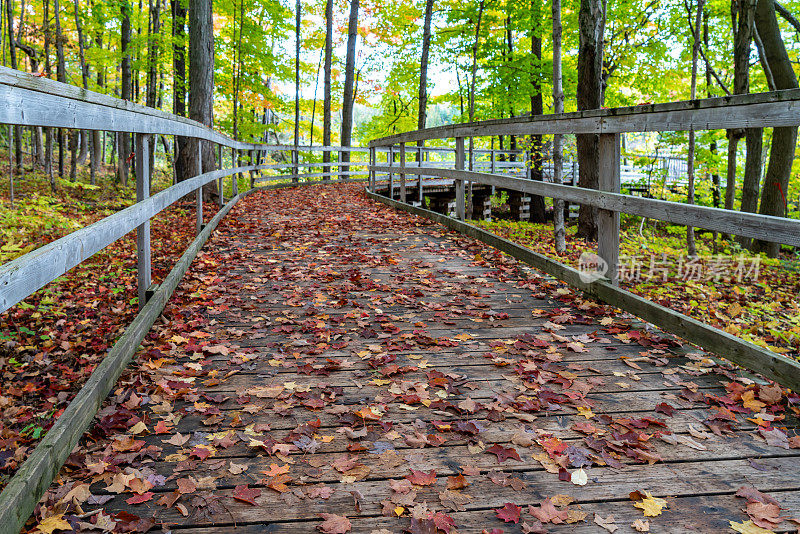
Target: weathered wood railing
30	101
780	108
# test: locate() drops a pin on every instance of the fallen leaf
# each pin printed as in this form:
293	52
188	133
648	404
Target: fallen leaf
334	524
509	513
652	506
246	494
606	522
54	522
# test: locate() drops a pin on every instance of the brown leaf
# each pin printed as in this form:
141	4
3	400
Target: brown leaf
334	524
457	482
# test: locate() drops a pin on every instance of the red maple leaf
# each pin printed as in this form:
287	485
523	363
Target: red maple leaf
509	513
443	522
421	478
139	499
245	494
504	453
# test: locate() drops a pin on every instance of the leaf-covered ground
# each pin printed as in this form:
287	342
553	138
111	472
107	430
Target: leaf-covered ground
722	287
52	341
331	365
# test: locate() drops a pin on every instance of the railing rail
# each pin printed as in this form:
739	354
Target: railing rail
779	108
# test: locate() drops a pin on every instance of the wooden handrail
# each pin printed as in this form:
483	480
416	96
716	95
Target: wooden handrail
779	229
778	108
758	110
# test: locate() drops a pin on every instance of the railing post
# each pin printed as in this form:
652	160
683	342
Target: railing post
234	164
607	220
459	165
492	166
198	196
390	159
372	179
402	174
296	163
420	156
143	255
219	182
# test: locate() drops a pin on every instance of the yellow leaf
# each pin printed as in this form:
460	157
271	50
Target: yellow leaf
399	511
748	527
586	412
652	506
54	522
138	428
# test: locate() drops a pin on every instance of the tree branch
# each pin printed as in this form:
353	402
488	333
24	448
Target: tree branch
788	17
703	54
762	57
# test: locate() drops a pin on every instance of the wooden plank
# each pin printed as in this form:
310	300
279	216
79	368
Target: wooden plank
692	478
607	220
773	366
777	108
765	227
143	252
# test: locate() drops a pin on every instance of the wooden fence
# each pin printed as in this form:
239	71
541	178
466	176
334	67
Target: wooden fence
30	101
779	108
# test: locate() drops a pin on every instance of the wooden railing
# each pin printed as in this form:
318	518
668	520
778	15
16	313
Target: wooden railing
30	101
780	108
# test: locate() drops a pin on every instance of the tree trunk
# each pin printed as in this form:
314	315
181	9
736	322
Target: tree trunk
48	132
84	79
537	108
591	22
558	107
690	243
422	113
125	44
349	78
13	55
179	81
326	105
784	139
201	85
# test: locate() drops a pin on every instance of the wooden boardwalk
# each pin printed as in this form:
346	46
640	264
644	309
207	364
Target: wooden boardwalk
364	363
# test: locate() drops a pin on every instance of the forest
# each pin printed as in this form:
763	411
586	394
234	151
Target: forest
345	72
